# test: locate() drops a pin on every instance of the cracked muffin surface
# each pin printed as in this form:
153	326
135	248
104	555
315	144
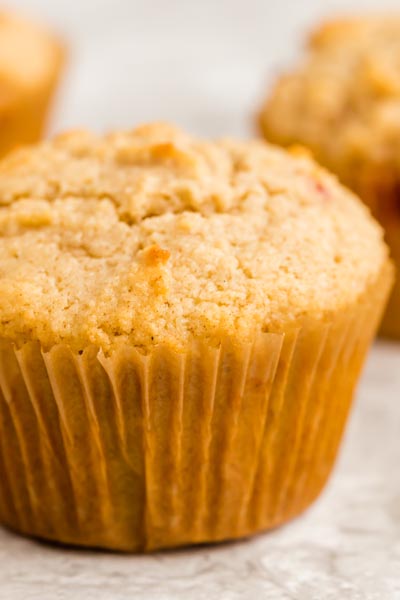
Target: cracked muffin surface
153	236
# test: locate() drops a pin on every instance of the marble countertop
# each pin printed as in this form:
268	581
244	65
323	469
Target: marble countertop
347	547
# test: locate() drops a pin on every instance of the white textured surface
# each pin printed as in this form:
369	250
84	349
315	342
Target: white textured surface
347	547
205	65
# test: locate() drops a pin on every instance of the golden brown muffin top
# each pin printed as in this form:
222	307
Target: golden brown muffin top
28	56
343	99
153	236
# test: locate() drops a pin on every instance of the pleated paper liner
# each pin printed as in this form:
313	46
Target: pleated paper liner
390	326
137	452
379	187
25	118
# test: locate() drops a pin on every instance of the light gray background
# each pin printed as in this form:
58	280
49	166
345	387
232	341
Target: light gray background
206	65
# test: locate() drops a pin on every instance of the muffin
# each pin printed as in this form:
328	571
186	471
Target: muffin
182	327
30	63
343	102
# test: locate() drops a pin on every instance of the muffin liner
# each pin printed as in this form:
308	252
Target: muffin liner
379	187
23	121
138	451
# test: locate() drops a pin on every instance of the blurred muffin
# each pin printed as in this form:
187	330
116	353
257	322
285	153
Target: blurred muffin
30	63
181	329
343	102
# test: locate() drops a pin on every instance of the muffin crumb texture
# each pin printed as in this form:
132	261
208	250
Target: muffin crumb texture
152	236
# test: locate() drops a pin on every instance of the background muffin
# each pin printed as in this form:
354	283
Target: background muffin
343	102
182	326
30	63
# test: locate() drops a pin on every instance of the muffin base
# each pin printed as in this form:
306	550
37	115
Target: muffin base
142	451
